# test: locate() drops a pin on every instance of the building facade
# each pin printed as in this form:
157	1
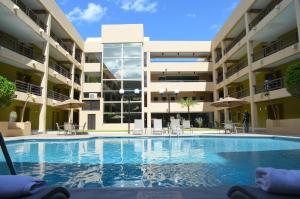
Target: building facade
44	55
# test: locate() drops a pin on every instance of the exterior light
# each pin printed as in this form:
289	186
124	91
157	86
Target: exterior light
136	91
41	30
121	91
176	91
16	8
161	91
55	73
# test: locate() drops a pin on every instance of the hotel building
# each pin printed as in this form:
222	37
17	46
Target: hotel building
45	56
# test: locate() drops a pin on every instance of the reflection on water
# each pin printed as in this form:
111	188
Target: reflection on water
175	162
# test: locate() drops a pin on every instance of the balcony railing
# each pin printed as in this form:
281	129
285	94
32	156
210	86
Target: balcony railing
235	41
77	80
25	87
60	42
78	57
179	81
276	46
57	96
270	86
240	94
220	78
30	14
20	48
237	67
263	13
61	70
218	57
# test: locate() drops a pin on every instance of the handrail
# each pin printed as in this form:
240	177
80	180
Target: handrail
235	41
155	81
57	96
30	14
263	13
61	70
77	80
218	57
20	48
78	57
28	88
276	46
220	78
6	155
237	67
240	94
271	85
60	42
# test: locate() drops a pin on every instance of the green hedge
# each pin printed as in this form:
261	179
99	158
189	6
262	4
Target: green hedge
7	91
292	79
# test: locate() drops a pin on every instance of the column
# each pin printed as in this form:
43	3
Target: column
44	82
72	81
297	7
149	118
226	110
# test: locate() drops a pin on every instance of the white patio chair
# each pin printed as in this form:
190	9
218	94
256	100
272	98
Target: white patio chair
138	127
59	130
175	126
157	128
186	124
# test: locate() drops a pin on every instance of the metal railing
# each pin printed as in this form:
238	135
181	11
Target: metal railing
235	41
171	81
60	42
218	57
78	57
271	85
31	14
61	70
237	67
263	13
77	80
276	46
240	94
57	96
20	48
28	88
220	78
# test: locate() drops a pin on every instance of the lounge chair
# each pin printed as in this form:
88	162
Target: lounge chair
186	124
68	128
138	127
175	126
58	129
157	128
230	127
218	126
80	131
248	192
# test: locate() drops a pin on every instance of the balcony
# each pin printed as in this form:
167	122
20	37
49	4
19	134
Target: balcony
218	57
25	87
57	96
20	48
272	85
235	41
78	57
60	42
220	78
240	94
31	14
61	70
263	13
275	46
237	67
77	80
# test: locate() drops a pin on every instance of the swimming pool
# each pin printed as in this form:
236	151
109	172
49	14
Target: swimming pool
151	162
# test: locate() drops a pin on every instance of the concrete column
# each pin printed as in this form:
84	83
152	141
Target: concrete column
72	82
44	82
226	110
297	7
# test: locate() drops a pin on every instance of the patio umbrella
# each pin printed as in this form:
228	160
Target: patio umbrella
70	104
229	102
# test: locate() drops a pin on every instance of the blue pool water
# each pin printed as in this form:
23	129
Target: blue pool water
151	162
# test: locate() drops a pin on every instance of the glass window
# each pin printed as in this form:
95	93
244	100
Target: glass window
90	95
112	96
134	107
112	68
92	77
132	52
111	85
112	118
132	85
91	105
133	64
132	74
93	57
112	107
133	116
112	52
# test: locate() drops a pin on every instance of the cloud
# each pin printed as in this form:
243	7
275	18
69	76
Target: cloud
139	5
93	13
191	15
215	27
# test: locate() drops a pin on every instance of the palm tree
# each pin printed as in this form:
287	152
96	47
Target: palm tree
188	103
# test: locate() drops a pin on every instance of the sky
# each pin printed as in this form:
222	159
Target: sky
188	20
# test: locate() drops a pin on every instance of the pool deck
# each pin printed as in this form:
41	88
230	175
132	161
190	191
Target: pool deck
54	136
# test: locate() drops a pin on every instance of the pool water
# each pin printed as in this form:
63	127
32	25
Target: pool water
151	162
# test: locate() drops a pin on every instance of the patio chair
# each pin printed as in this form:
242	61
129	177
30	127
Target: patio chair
67	128
138	127
175	126
231	127
59	130
186	124
218	126
80	131
157	128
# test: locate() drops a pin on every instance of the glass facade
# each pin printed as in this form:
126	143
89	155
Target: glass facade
121	69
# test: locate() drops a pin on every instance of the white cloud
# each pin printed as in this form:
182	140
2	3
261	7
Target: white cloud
215	27
139	5
93	13
191	15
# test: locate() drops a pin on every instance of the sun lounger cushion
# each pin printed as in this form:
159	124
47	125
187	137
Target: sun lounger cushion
15	186
248	192
50	193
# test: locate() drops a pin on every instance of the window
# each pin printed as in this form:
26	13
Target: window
92	77
93	57
92	105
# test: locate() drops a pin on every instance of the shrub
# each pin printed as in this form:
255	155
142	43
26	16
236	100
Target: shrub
7	91
292	79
